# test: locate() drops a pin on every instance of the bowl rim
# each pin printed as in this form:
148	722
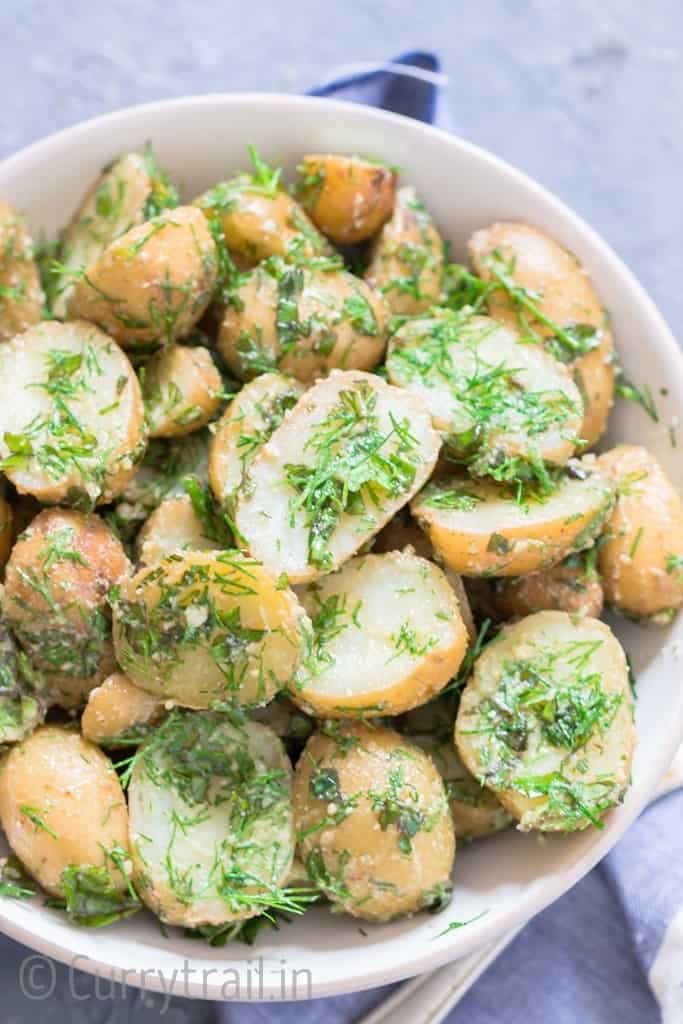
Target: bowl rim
466	940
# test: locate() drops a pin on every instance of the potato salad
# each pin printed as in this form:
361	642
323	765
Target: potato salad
305	535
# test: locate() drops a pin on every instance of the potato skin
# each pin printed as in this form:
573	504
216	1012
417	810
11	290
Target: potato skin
55	598
21	294
172	526
257	225
565	295
182	390
567	587
71	787
641	553
117	707
152	284
407	258
347	198
371	808
329	332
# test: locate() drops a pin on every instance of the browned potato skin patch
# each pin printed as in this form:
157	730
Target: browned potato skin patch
78	585
152	284
643	534
407	230
76	793
564	588
347	198
565	295
364	769
18	270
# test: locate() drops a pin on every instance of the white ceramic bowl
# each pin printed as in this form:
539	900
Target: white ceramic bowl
507	878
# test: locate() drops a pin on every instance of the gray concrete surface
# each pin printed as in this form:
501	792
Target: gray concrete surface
586	97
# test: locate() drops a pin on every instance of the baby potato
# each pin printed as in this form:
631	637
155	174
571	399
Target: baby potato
21	294
118	713
346	197
182	388
228	784
544	288
201	626
246	425
401	533
55	599
62	809
71	415
475	810
131	190
407	258
481	529
352	452
372	822
153	284
641	552
571	587
259	220
173	526
304	321
546	721
497	399
387	636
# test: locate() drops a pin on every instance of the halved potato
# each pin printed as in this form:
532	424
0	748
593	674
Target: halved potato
407	257
387	636
546	721
21	295
129	191
352	452
480	529
182	388
244	428
544	287
173	526
55	599
62	808
347	197
475	810
118	713
641	553
372	821
302	320
71	415
497	400
211	825
153	284
571	587
201	627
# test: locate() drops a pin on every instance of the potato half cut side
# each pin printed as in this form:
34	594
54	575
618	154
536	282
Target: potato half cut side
352	452
499	402
244	428
129	191
347	197
200	627
65	817
372	822
545	293
21	294
641	553
476	810
407	257
480	529
387	636
211	825
546	721
302	320
71	415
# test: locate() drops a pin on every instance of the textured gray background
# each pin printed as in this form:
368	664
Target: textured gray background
585	96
